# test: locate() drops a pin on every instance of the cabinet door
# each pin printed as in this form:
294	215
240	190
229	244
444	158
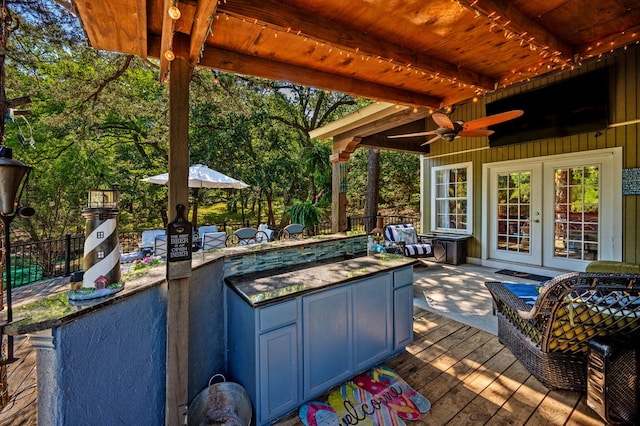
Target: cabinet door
402	316
327	339
372	326
278	372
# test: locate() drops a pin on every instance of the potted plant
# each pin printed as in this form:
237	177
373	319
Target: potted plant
304	213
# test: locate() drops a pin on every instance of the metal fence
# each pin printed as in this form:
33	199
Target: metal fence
37	261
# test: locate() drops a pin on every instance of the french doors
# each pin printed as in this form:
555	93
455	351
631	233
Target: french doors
559	212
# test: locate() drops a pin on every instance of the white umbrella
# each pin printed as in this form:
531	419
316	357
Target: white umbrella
201	176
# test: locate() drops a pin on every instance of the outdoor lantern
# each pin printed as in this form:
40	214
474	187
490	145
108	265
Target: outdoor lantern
13	177
103	198
101	261
12	173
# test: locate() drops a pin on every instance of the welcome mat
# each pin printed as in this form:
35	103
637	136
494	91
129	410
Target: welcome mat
378	398
525	275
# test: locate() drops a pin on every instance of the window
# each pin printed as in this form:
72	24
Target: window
451	188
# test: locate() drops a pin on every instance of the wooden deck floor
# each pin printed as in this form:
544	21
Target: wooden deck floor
472	379
469	377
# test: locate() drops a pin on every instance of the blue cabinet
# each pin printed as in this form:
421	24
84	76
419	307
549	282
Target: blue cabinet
327	339
278	367
372	321
289	352
402	308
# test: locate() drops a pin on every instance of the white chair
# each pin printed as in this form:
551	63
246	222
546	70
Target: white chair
148	242
160	246
211	238
270	232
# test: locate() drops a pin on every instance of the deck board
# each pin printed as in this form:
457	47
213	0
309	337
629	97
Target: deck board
472	379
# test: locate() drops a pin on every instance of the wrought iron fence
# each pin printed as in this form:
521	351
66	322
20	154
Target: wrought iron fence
37	261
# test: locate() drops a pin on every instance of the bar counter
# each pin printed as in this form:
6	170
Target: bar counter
262	288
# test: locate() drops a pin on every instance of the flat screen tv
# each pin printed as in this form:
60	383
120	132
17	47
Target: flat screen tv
573	106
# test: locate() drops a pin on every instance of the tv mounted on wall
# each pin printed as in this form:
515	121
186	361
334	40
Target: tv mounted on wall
573	106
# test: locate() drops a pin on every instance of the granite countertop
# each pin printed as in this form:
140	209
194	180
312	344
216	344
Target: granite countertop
276	285
53	310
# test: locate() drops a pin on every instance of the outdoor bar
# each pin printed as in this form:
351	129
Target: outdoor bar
242	300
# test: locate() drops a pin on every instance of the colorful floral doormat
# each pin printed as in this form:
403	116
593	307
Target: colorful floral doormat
379	398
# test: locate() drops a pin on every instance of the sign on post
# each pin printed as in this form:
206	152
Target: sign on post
179	237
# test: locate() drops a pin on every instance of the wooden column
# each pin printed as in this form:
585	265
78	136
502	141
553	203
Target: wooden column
178	273
339	192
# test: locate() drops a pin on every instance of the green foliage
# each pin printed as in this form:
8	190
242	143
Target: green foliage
304	213
100	118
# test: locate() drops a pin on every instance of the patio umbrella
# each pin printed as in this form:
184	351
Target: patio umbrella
200	176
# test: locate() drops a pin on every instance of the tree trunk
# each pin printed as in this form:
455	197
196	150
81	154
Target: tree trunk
271	217
373	189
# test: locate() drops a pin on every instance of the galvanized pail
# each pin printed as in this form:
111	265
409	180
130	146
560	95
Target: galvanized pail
223	403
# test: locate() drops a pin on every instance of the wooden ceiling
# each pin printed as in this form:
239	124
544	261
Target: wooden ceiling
429	53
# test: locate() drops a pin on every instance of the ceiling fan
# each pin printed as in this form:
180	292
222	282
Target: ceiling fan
449	130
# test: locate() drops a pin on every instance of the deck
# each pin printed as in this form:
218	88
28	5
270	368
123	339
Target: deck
472	379
469	377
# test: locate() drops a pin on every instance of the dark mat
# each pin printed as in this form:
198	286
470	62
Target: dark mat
523	275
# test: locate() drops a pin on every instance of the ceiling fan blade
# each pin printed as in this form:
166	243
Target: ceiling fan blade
411	135
492	119
442	120
476	133
432	140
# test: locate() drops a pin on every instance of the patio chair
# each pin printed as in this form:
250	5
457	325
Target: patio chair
405	239
131	256
211	238
148	240
246	236
160	246
265	228
548	327
294	231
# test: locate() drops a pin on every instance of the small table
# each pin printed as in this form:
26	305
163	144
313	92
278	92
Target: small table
455	247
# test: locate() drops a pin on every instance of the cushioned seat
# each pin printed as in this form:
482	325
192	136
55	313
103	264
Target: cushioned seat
211	238
613	266
406	237
551	335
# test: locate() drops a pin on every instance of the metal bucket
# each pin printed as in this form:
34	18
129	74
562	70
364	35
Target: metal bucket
223	403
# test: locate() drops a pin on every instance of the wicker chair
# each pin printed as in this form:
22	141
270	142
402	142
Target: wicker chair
551	338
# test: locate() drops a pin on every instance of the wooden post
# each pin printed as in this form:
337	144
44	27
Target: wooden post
177	384
339	192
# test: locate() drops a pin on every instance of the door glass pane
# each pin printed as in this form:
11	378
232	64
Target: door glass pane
577	212
514	198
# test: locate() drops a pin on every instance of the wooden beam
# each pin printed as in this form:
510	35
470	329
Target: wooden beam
177	380
616	40
506	15
410	145
202	21
238	63
141	10
279	15
166	40
343	148
395	121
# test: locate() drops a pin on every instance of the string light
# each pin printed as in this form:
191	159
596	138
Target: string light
174	12
550	58
169	55
396	66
